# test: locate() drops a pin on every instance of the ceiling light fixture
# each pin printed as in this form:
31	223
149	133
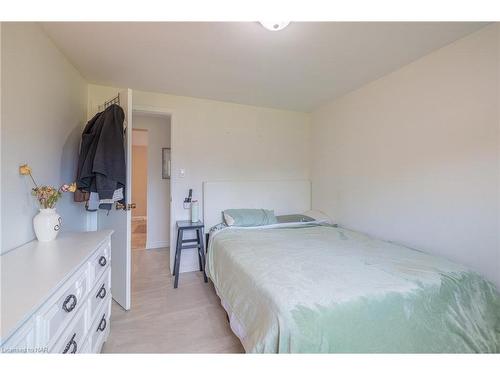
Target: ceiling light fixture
274	26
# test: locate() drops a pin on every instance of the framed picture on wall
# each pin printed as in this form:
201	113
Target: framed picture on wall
165	163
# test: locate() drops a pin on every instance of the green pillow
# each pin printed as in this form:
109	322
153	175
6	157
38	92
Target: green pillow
297	218
248	217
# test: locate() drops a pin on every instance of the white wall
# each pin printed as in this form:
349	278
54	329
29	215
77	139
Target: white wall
219	141
43	109
414	156
158	193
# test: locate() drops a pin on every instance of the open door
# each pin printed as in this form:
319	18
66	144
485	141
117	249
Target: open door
120	219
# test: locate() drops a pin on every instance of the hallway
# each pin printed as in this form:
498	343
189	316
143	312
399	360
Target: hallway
139	233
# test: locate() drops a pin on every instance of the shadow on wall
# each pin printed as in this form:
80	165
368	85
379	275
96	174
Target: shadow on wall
67	207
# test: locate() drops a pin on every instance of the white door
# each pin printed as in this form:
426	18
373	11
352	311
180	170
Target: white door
120	220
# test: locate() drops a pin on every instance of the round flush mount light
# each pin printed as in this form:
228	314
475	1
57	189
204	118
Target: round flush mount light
274	26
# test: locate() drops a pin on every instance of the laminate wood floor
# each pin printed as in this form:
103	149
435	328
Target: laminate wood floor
139	229
162	319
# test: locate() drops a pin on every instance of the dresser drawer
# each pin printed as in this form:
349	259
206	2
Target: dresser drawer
51	303
100	261
100	293
73	339
86	348
54	318
100	328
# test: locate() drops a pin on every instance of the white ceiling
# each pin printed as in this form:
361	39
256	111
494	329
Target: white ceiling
298	68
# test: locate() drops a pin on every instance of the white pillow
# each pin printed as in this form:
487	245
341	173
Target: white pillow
228	219
319	216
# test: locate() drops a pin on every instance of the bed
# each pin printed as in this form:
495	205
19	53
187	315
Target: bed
317	288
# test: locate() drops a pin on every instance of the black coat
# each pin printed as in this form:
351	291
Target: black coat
101	164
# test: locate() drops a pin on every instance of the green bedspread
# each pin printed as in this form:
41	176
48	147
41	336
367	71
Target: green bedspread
324	289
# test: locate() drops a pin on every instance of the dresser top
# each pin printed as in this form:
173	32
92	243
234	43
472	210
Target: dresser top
31	273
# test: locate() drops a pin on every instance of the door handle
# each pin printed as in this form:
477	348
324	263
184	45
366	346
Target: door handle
128	207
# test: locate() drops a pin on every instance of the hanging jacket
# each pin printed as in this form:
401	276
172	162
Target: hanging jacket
101	163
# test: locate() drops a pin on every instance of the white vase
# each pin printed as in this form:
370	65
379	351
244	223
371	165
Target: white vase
47	224
194	212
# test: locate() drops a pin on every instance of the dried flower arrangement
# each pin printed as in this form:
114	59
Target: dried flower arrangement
47	196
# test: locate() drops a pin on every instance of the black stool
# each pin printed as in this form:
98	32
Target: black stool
196	243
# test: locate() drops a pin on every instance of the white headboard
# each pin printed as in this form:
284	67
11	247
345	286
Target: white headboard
283	196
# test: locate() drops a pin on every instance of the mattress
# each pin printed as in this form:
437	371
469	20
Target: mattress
308	288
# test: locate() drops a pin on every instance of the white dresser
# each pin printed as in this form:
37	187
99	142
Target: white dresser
56	296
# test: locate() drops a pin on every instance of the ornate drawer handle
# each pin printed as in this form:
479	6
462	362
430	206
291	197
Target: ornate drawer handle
102	324
70	343
102	292
71	298
102	260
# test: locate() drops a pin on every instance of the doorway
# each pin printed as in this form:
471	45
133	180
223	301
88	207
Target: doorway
150	227
140	140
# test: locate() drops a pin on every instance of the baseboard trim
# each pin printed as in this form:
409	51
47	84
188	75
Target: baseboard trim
157	244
